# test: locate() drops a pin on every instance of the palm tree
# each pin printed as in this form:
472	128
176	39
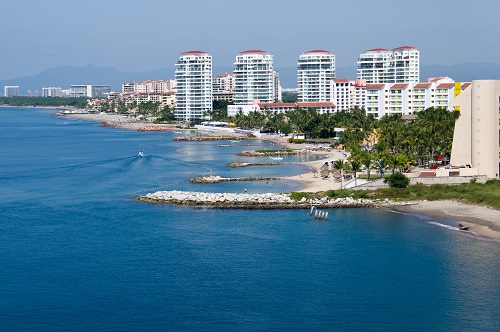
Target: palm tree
366	160
355	165
339	165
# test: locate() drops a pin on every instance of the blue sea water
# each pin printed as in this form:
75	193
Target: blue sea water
78	254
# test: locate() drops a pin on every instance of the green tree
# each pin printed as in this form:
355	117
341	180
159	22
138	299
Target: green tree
397	180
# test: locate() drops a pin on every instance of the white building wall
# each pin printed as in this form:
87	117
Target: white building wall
316	69
399	65
194	85
11	91
254	77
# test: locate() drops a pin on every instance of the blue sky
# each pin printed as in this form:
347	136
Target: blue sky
147	35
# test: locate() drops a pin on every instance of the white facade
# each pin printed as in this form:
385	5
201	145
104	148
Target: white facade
399	98
156	86
254	77
223	82
322	107
162	98
477	131
11	91
52	92
89	91
193	74
399	65
316	69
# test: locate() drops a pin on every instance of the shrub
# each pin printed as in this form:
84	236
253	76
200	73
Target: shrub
296	195
397	180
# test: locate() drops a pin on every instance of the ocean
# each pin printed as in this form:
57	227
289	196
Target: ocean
77	253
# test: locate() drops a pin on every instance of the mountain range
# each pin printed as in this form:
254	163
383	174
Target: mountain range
64	76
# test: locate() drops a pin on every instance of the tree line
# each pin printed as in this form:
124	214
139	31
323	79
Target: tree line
21	101
390	142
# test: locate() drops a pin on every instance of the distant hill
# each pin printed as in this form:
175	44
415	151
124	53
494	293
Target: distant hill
65	76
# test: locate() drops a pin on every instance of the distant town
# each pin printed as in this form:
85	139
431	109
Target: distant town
388	82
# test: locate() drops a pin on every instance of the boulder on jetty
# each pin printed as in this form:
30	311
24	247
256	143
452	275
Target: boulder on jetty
256	201
211	138
217	179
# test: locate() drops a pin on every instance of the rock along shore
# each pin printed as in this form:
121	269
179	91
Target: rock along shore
217	179
257	201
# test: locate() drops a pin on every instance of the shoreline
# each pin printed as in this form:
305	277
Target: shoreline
481	220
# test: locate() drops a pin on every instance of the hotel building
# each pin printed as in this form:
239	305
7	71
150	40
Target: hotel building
11	90
89	91
52	92
193	74
151	86
315	72
399	98
399	65
255	78
223	87
476	139
322	107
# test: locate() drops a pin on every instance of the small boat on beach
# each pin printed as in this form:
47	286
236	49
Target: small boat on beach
463	227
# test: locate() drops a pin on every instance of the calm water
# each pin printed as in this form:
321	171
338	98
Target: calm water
77	254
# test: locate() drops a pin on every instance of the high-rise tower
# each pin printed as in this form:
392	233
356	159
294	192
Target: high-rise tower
193	74
254	77
399	65
315	72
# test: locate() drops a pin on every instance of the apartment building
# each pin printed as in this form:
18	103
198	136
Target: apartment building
11	91
89	91
399	98
223	87
255	77
52	92
129	98
380	65
193	74
315	72
150	86
280	107
476	139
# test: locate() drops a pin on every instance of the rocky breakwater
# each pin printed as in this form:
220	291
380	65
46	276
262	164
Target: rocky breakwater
217	179
256	201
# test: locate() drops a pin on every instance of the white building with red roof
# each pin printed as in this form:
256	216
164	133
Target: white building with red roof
280	107
255	77
316	69
380	65
193	74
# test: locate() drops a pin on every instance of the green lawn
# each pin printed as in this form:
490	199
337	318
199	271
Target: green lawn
487	194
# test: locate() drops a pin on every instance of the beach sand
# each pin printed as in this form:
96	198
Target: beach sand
482	221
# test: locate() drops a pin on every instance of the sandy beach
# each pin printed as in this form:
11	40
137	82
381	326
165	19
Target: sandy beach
482	221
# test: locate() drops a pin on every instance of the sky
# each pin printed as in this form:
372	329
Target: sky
138	36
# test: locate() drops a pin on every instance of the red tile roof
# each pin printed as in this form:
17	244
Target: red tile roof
445	85
399	86
253	51
434	79
318	51
422	86
194	52
273	105
465	85
377	50
322	104
375	86
405	48
341	80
